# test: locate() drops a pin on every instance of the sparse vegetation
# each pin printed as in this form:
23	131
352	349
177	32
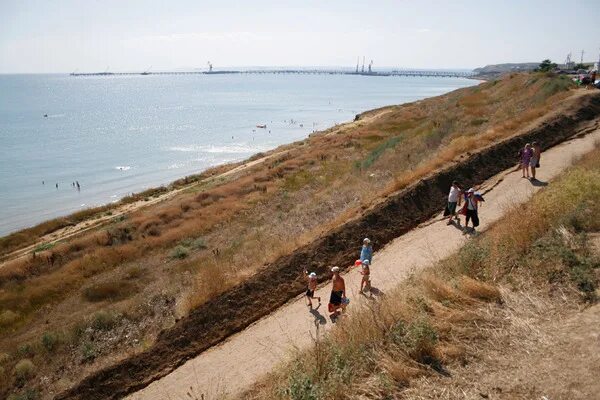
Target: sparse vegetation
430	321
217	232
180	252
50	341
104	321
24	370
112	290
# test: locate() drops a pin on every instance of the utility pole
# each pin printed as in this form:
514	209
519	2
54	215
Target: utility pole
581	56
363	66
357	62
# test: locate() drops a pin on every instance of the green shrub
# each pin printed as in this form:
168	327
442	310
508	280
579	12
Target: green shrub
42	247
379	150
26	350
301	387
197	244
88	352
104	321
420	339
50	341
179	253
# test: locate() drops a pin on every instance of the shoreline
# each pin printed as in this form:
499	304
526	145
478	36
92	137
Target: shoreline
75	217
198	331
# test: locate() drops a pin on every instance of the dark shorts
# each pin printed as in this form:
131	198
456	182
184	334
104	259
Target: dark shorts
450	208
310	293
336	298
472	215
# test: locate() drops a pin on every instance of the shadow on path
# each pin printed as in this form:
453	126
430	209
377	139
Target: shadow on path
538	183
319	318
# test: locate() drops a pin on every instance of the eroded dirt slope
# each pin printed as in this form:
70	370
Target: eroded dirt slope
238	308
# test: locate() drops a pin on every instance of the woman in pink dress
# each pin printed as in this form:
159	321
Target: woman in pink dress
526	154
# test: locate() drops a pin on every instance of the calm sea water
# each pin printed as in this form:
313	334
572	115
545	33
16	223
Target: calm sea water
118	135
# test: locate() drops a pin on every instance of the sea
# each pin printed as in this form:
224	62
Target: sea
117	135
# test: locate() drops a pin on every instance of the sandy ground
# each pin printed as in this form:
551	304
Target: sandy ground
238	362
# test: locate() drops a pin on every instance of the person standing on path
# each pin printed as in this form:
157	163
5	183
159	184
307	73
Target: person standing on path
536	153
366	253
365	282
471	209
526	154
312	286
337	300
453	200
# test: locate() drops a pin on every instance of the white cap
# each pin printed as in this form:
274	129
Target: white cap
366	262
312	275
366	240
335	269
471	190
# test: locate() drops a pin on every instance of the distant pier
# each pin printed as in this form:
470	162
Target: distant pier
407	72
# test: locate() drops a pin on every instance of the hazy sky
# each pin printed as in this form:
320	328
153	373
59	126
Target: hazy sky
64	35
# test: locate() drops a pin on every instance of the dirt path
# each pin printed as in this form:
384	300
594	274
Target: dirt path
235	364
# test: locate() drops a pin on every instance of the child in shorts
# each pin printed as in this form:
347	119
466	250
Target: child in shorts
311	287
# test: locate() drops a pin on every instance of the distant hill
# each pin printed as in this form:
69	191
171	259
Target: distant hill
494	70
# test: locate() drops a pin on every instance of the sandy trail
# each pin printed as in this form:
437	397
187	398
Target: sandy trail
238	362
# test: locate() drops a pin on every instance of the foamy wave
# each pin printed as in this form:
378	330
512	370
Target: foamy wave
123	167
232	149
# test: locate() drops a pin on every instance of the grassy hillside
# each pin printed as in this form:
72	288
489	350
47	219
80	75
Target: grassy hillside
111	290
536	262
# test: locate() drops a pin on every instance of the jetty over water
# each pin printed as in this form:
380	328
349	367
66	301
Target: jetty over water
399	72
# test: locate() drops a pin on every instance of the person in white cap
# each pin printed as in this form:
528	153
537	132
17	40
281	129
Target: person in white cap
471	206
312	286
337	300
366	252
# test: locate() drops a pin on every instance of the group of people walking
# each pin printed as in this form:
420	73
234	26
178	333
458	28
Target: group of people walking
338	299
467	202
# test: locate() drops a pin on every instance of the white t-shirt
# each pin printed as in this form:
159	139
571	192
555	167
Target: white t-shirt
453	196
471	204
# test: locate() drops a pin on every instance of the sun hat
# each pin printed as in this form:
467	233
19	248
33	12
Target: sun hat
366	240
312	275
335	269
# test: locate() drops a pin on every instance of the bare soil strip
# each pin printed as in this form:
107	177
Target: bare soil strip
234	365
243	305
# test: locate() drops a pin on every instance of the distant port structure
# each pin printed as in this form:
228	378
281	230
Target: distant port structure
310	71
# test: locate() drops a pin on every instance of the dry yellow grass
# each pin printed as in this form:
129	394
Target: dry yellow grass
447	313
252	217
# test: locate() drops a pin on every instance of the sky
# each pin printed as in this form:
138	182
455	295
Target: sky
93	35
